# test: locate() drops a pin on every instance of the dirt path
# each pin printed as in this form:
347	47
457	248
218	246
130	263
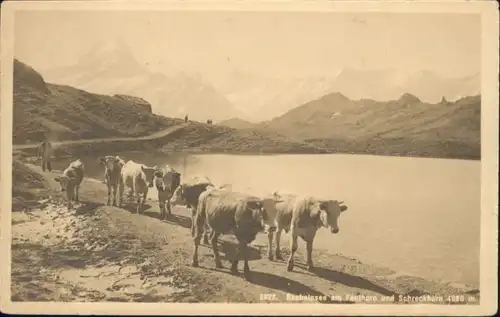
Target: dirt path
155	135
101	253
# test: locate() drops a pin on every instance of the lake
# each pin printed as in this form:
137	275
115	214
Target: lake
416	215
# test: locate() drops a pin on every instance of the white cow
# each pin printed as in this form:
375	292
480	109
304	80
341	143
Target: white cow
139	178
302	217
70	180
112	175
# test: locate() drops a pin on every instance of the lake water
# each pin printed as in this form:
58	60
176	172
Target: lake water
416	215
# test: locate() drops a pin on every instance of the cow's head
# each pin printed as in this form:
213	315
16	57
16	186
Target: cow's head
150	174
111	162
166	179
329	213
66	183
259	215
179	197
269	209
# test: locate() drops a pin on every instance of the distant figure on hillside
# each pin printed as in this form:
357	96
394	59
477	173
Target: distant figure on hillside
45	154
186	119
209	121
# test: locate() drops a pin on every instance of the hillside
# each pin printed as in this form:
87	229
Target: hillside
237	123
406	126
216	139
100	123
111	68
68	113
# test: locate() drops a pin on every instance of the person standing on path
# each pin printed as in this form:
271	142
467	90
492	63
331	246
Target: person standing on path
45	153
185	118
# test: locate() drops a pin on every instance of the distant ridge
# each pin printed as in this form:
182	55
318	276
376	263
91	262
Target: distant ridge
264	97
111	68
406	126
237	123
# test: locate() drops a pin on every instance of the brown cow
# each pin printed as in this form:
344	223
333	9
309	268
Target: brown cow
166	181
228	212
188	194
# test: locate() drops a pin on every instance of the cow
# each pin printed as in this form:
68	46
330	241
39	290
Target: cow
227	212
112	175
70	181
139	178
302	217
188	193
44	152
166	181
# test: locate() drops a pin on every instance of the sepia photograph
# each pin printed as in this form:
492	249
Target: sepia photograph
263	157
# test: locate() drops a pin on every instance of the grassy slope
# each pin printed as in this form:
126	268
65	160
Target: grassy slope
27	186
406	126
67	113
213	138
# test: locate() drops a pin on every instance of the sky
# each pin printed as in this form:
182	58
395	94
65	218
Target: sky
267	43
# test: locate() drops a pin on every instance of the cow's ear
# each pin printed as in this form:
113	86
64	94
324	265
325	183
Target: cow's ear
57	179
102	160
323	205
343	208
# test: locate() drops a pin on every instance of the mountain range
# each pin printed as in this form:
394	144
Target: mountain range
113	69
336	116
264	98
405	126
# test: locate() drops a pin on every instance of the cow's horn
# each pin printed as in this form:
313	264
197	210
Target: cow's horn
341	202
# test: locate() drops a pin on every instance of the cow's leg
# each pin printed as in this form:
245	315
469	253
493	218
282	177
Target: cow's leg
234	263
68	198
143	199
49	166
108	202
168	207
206	232
77	193
246	268
161	204
196	240
309	246
270	232
218	263
193	216
277	251
293	249
114	194
121	187
138	202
